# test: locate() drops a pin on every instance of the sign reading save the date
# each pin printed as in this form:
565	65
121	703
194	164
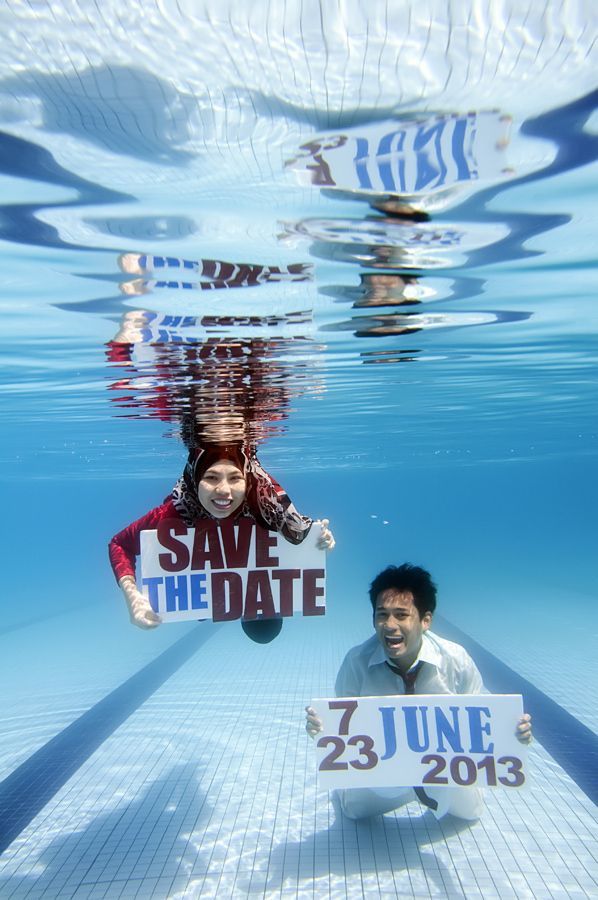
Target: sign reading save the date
226	571
423	739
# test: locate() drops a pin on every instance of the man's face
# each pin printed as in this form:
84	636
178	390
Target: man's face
399	627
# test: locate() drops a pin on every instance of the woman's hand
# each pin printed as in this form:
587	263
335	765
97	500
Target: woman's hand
130	263
140	611
524	729
313	723
326	540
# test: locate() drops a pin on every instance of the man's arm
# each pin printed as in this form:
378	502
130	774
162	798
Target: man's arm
470	682
349	679
348	684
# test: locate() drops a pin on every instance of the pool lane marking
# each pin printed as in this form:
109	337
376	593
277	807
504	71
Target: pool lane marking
571	744
46	617
27	789
25	792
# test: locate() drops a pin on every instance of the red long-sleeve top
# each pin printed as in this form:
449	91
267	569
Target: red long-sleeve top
126	545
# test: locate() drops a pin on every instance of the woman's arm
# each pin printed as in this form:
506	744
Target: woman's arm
140	610
123	549
125	546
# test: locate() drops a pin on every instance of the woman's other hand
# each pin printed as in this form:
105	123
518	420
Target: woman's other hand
326	540
140	611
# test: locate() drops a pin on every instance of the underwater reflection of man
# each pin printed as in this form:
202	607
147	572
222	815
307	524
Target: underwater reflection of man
387	289
219	482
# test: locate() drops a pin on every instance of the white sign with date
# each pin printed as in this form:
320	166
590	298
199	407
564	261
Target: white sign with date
422	739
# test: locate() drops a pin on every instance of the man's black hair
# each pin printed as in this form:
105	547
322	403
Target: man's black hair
406	578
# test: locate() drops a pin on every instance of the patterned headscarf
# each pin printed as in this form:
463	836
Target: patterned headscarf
265	500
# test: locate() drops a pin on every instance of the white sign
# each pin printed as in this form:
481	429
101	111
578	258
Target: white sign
227	571
407	157
421	739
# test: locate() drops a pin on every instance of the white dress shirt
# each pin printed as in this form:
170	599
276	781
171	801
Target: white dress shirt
448	669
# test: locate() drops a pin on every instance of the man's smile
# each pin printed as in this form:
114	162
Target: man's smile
393	641
399	627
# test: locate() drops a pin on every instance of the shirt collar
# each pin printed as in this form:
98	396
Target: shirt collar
428	653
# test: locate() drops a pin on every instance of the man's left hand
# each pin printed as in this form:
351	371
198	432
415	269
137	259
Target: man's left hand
524	729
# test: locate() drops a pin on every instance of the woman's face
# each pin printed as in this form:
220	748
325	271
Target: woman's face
222	489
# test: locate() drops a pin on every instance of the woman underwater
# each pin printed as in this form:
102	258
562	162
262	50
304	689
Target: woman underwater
220	481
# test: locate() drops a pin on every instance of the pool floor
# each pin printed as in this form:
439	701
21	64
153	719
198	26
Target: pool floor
207	788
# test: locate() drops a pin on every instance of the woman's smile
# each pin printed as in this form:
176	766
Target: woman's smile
223	504
222	489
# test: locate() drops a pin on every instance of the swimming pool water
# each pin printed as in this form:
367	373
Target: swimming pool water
428	382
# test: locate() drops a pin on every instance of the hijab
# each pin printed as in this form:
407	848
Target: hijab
265	500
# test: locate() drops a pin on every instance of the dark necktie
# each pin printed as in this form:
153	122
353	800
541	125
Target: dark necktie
409	677
409	682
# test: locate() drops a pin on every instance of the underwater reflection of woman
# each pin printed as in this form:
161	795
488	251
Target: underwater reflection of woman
219	482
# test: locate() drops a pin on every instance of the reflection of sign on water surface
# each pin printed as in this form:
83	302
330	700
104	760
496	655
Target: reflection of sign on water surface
227	571
407	157
423	739
147	327
376	231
